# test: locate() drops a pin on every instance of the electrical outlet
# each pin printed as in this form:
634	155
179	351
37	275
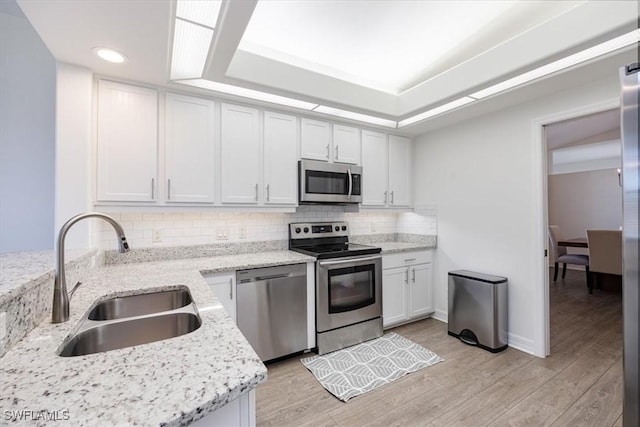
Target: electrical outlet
243	232
156	236
3	326
222	233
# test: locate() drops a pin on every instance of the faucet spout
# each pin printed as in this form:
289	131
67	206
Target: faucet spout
60	310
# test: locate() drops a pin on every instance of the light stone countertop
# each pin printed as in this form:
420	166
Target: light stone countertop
21	270
396	247
171	382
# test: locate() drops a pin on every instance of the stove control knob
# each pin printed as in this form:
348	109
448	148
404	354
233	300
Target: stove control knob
344	228
306	229
337	228
298	230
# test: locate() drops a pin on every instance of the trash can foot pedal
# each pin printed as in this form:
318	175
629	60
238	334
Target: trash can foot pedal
468	337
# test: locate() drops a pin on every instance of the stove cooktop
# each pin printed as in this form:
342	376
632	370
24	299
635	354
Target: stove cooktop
326	240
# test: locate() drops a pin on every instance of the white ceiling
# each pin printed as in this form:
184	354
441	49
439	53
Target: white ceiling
586	129
386	46
353	55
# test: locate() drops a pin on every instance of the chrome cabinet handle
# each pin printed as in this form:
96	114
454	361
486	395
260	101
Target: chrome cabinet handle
385	197
153	188
169	189
231	289
268	192
406	276
409	259
336	151
392	197
413	275
328	151
256	192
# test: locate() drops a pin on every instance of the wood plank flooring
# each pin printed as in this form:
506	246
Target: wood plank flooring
580	384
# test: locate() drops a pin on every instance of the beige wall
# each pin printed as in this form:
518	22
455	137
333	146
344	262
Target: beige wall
585	200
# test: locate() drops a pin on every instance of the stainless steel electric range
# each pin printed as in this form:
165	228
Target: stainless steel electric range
348	284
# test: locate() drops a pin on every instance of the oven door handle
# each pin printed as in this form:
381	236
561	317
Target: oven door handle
350	260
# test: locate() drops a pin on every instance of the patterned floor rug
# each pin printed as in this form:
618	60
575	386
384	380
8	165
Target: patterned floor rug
355	370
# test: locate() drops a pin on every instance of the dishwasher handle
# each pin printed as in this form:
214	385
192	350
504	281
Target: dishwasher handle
260	276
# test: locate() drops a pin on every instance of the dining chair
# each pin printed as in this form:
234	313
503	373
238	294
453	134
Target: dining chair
559	255
605	253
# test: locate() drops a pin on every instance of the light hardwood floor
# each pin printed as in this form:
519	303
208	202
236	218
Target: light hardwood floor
580	384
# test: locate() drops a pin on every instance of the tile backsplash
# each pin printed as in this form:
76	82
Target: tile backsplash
144	229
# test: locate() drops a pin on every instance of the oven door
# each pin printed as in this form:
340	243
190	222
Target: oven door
348	291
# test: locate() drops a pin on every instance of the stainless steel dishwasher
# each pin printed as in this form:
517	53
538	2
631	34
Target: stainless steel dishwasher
272	309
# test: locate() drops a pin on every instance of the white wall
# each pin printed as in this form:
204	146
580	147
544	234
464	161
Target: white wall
74	182
480	174
585	201
27	124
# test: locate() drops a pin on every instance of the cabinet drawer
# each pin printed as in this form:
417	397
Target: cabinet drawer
406	258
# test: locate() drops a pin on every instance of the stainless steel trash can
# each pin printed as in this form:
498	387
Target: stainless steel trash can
478	309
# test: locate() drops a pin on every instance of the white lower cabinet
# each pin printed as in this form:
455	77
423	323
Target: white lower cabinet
224	286
407	287
237	413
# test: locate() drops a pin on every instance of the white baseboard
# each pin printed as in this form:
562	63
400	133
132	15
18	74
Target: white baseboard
514	341
441	315
520	343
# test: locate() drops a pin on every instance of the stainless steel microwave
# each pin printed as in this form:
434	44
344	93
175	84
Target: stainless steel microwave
321	182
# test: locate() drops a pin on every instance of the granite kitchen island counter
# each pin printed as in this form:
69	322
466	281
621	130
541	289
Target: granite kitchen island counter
169	382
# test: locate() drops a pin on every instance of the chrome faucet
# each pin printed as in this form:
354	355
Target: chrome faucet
60	311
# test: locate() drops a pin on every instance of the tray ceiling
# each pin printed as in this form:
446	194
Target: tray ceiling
389	59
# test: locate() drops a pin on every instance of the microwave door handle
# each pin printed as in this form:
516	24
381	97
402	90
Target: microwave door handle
350	182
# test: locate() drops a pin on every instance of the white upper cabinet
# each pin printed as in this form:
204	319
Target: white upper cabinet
280	159
240	162
322	141
346	144
315	140
399	171
374	169
127	143
189	149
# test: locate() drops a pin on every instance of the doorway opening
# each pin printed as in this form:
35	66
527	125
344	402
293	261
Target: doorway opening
579	154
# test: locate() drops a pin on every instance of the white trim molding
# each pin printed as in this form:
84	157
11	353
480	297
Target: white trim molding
541	344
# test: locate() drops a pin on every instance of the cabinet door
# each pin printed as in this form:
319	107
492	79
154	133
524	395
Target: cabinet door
240	164
189	149
394	295
374	169
127	143
315	139
399	171
346	144
280	159
421	290
224	286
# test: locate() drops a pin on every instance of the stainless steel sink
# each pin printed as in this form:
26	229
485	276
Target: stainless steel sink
134	320
141	304
127	333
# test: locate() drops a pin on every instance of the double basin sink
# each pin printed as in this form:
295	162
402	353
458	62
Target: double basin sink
125	321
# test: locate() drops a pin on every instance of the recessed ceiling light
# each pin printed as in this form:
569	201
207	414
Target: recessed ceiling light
110	55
